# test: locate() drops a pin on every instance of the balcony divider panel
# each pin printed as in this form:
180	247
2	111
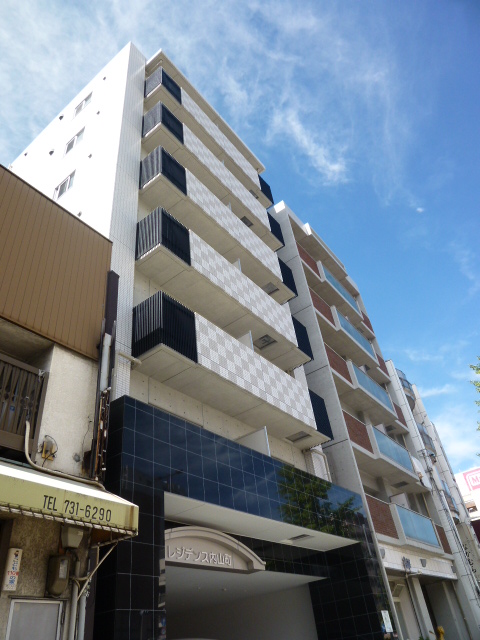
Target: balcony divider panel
265	189
287	277
275	228
302	338
321	416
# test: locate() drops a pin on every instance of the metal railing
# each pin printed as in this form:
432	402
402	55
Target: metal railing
162	320
158	77
161	228
22	390
160	162
159	114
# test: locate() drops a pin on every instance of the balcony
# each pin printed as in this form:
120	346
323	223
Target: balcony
408	528
189	270
407	389
427	440
22	387
186	352
159	86
341	334
357	390
164	182
162	128
379	455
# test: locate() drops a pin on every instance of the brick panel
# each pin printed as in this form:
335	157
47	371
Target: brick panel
366	321
338	363
307	258
400	416
443	538
358	432
382	364
382	517
320	305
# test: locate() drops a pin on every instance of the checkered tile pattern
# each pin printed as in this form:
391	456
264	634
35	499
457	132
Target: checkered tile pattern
229	278
219	170
222	215
192	107
234	361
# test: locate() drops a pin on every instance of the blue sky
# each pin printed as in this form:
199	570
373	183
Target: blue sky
366	117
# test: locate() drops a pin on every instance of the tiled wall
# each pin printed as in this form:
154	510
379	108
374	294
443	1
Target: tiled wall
205	199
219	170
358	432
382	517
227	276
192	107
151	451
238	363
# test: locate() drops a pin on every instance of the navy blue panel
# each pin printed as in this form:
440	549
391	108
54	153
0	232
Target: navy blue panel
321	415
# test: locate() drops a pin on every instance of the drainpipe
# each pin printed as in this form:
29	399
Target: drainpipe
82	606
73	603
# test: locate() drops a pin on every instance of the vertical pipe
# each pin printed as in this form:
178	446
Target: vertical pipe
73	603
82	606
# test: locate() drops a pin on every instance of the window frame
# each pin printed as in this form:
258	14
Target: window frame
75	140
81	106
68	181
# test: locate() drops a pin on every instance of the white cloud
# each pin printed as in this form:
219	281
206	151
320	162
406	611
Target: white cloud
466	261
436	391
312	81
420	209
457	427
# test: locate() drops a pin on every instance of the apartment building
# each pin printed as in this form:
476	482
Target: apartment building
278	463
55	519
383	445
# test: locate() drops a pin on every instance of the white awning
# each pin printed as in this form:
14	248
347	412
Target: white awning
24	491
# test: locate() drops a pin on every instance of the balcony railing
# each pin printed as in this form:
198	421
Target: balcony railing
403	379
372	387
161	115
276	229
307	259
427	440
160	162
265	189
161	228
22	388
162	320
341	289
287	277
158	77
417	527
390	448
355	334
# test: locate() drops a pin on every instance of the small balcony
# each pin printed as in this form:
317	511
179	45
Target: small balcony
159	86
380	455
164	182
357	390
22	389
406	528
186	352
407	389
182	265
426	439
162	128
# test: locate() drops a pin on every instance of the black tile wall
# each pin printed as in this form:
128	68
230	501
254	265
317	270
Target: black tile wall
151	451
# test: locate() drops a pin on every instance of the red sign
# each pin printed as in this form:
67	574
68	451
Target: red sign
472	478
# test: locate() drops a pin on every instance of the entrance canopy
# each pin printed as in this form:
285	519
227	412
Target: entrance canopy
27	492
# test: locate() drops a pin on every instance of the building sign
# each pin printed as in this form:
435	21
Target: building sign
387	623
472	479
209	549
12	570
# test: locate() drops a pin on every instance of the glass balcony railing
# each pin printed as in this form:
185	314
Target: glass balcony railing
417	527
355	334
341	289
403	379
393	450
372	387
427	440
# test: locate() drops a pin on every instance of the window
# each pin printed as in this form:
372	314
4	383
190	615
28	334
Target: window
75	140
64	186
83	104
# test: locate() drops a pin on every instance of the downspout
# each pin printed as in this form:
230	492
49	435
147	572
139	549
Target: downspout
73	603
